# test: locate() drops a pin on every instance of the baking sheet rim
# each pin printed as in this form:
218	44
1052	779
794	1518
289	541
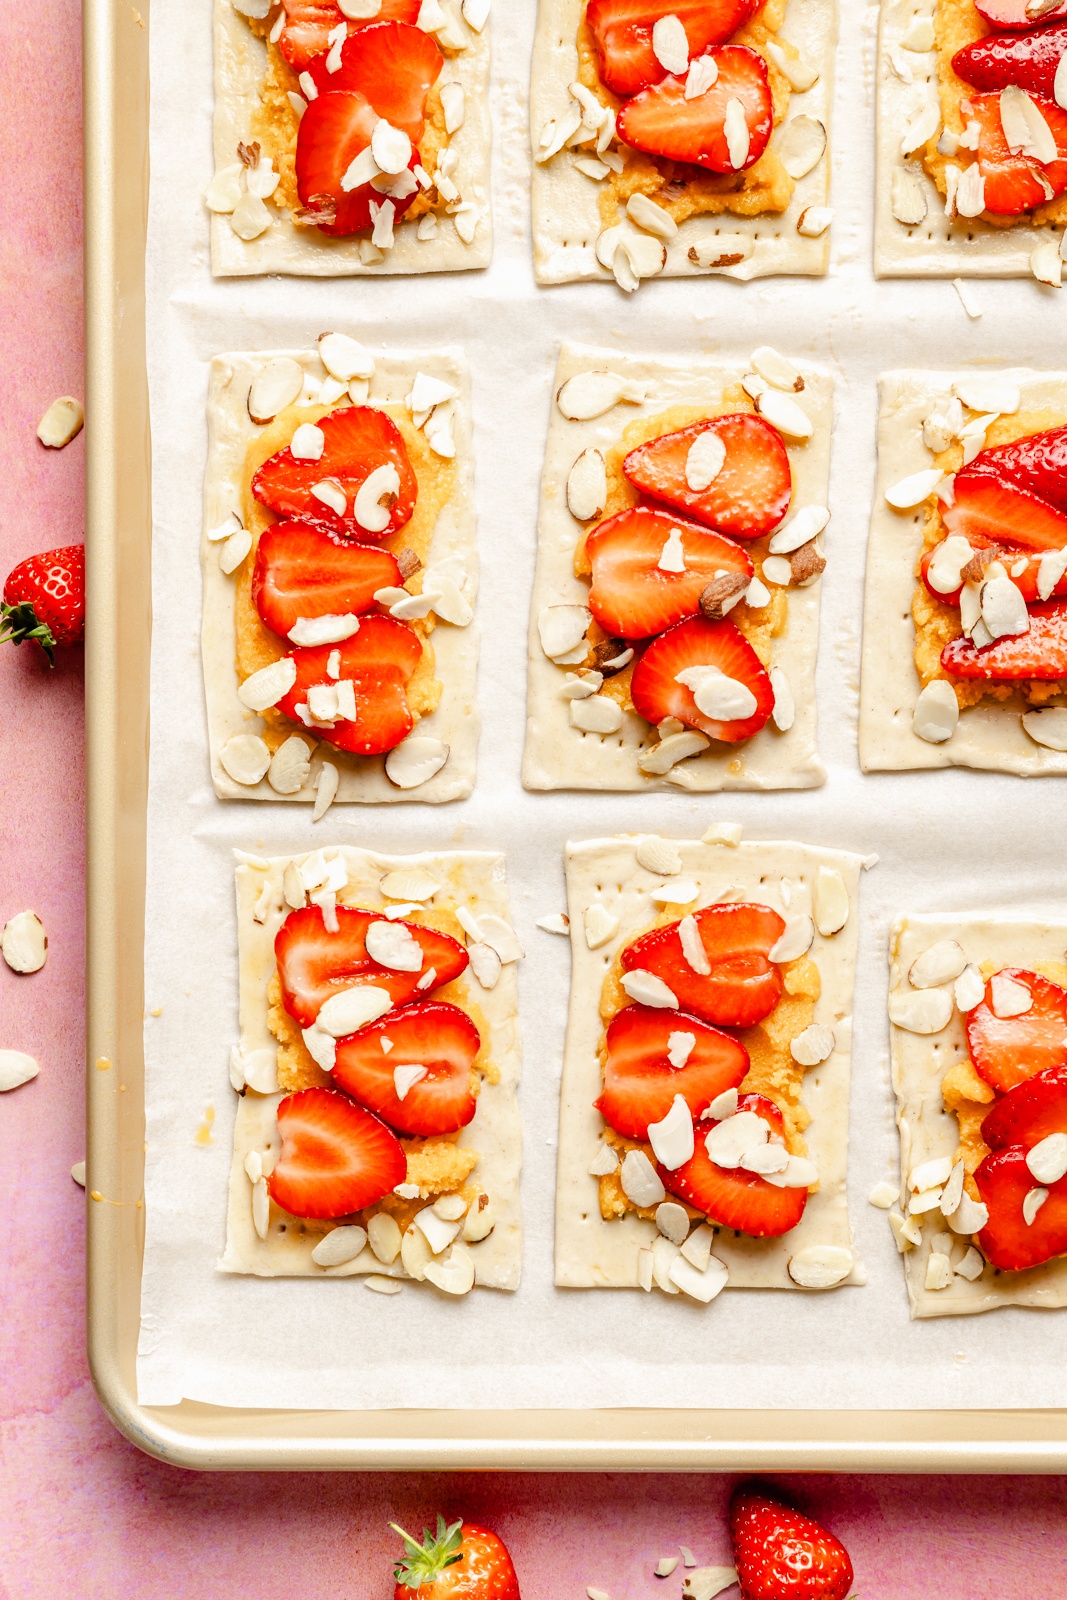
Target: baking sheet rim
215	1438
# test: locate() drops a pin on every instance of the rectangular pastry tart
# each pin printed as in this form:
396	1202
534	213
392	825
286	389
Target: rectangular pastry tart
339	568
972	139
965	621
978	1007
704	1110
675	617
351	136
681	139
377	1131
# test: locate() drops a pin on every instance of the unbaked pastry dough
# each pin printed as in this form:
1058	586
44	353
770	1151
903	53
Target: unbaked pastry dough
559	756
935	247
230	431
566	203
927	1130
472	878
990	735
240	59
594	1253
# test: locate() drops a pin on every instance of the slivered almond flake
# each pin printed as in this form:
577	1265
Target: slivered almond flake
245	758
648	215
784	414
718	250
831	903
665	755
738	138
800	145
921	1010
658	855
795	940
590	394
670	44
937	712
1009	997
648	990
587	487
784	709
939	963
599	925
16	1068
61	422
25	943
696	956
813	1046
702	75
820	1266
640	1181
415	760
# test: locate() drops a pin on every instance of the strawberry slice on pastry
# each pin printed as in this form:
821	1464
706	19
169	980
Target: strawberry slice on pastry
302	572
413	1067
1032	1111
314	964
1039	654
1011	557
733	1196
1027	60
393	66
1009	1240
336	130
707	675
622	34
335	1157
309	23
987	505
642	1074
1016	182
1009	1049
731	473
725	129
715	962
649	570
365	708
1037	463
359	442
1017	15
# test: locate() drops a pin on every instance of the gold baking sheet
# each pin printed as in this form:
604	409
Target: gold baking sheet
117	646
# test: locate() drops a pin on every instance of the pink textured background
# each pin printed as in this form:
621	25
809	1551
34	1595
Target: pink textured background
82	1513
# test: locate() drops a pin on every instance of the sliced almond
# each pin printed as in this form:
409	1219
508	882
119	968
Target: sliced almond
658	855
416	760
1047	728
290	766
640	1181
831	902
938	964
271	683
937	713
485	964
806	525
61	422
597	713
921	1011
562	630
795	939
587	487
275	386
814	221
784	414
345	358
25	943
722	251
820	1266
813	1046
599	925
245	758
777	370
800	145
648	215
16	1068
590	394
661	757
912	491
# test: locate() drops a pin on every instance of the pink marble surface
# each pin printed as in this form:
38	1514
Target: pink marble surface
82	1513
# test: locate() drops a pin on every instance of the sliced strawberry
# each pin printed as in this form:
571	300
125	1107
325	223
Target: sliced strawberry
1040	654
622	35
733	1197
661	121
393	66
1029	1112
632	596
309	24
302	572
1017	183
379	661
1010	557
987	504
335	1157
333	131
1036	463
1008	1240
359	439
639	1082
1028	60
1018	14
434	1035
657	694
314	964
744	984
1008	1050
749	495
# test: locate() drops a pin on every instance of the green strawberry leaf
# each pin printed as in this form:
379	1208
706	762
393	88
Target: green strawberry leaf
424	1563
20	622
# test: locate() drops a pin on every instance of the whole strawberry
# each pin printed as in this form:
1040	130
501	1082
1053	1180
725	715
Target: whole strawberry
44	599
780	1554
460	1562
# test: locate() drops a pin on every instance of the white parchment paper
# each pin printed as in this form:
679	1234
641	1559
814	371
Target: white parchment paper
947	840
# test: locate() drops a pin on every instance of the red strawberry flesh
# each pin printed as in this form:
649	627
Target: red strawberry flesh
744	984
748	497
1039	655
656	692
434	1035
622	35
333	131
780	1554
1027	60
1012	182
1009	556
1030	1112
309	24
302	572
314	964
1018	14
631	595
359	440
335	1157
379	661
1008	1240
734	1197
1008	1050
1036	463
639	1082
662	122
986	505
393	66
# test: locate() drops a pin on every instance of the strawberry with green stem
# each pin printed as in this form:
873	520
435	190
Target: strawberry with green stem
460	1561
44	600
